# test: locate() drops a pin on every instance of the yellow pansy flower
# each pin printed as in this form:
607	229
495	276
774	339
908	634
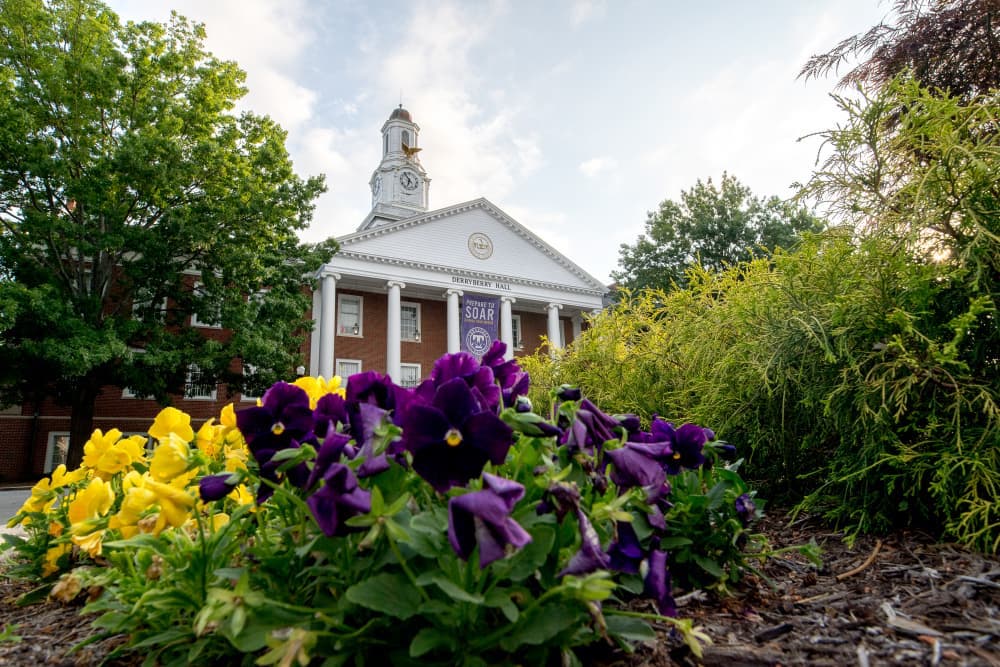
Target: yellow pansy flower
108	453
43	494
209	438
241	495
91	502
52	556
170	458
172	420
228	416
318	387
85	510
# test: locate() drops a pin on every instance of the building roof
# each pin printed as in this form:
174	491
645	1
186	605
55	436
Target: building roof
400	113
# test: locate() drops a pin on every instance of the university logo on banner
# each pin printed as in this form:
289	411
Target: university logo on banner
480	323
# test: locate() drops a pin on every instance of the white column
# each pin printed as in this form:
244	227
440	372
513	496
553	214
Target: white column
316	335
553	333
506	328
326	327
577	325
454	321
393	333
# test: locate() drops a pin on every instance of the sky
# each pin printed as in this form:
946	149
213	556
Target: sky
575	117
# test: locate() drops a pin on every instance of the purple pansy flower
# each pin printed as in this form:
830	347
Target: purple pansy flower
590	429
463	365
454	436
214	487
684	444
656	583
625	553
637	464
746	509
560	498
376	389
483	518
283	416
338	499
513	381
591	556
328	453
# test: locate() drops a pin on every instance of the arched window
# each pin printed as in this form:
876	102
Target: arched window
406	138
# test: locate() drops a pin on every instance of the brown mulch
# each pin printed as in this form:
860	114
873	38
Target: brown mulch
897	600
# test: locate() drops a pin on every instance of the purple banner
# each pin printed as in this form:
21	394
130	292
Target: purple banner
480	323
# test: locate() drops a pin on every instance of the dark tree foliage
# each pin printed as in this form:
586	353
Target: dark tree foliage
710	226
945	45
133	198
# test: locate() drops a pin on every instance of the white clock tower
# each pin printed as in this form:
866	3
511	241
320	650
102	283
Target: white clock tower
400	185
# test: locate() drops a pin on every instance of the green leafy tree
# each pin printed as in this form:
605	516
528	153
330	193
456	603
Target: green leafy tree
712	227
132	197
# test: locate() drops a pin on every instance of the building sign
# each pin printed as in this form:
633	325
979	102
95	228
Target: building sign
480	323
476	282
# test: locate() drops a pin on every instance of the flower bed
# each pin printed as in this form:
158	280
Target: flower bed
446	523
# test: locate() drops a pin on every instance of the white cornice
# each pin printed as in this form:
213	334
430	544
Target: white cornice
452	271
482	204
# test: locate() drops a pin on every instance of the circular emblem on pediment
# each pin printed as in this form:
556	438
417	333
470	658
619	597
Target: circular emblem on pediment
480	245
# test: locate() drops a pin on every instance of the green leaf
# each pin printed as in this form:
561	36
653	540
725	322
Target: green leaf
534	555
429	639
391	594
629	629
709	566
454	591
500	597
668	543
542	625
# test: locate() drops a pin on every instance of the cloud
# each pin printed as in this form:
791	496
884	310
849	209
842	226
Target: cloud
582	11
594	167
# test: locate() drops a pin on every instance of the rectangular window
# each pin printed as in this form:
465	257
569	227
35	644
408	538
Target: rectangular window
409	323
198	386
55	451
249	394
143	307
409	375
213	319
347	367
128	392
515	332
349	311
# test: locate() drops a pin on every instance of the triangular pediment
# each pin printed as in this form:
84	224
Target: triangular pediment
473	238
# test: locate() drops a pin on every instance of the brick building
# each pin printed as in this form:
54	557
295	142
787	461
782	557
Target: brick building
409	285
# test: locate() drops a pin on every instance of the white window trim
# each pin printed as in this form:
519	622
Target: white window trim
187	383
519	338
248	369
418	336
50	448
343	377
195	322
161	314
361	315
419	375
127	391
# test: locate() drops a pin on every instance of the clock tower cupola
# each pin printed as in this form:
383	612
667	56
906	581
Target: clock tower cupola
399	185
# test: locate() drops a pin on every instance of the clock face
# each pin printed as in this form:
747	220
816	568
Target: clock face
409	180
377	185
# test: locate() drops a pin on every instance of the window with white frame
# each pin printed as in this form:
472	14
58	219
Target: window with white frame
347	367
515	332
55	450
213	320
198	386
248	394
409	375
143	306
128	392
349	311
409	321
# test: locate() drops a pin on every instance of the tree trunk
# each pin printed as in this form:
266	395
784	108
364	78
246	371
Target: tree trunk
81	422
